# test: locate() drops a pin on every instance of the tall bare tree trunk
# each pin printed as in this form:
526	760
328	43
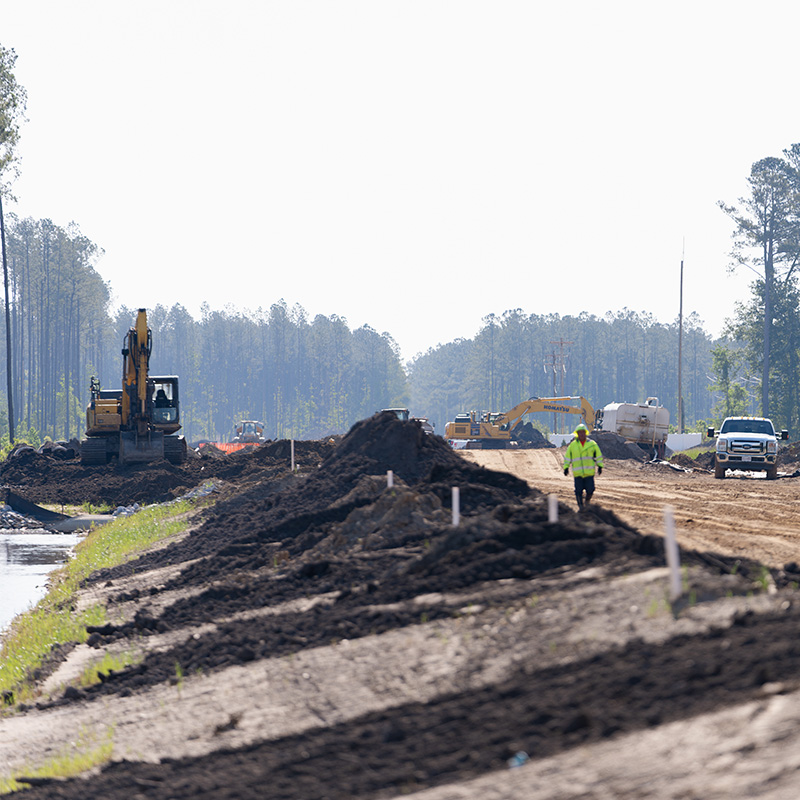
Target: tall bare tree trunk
9	361
769	279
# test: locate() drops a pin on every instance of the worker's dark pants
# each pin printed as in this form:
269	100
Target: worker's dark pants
584	484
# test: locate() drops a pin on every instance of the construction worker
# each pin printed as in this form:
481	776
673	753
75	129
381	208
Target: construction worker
583	455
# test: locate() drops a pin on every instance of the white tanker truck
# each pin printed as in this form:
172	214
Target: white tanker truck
646	423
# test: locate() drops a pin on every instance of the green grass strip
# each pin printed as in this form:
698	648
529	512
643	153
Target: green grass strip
54	620
82	755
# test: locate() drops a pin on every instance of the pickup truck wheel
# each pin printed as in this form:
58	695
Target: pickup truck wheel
772	473
719	471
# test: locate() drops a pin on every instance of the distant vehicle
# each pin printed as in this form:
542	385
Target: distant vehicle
495	429
747	443
646	423
401	413
249	431
425	424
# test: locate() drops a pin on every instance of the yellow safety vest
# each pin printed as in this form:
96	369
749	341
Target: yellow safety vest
583	457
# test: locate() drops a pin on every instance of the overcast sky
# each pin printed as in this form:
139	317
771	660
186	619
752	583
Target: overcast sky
413	166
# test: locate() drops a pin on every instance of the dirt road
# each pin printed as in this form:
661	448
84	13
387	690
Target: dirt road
739	516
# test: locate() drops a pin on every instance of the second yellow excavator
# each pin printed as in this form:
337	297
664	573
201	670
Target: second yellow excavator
495	430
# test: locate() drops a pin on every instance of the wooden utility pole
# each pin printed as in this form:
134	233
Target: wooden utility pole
680	351
558	364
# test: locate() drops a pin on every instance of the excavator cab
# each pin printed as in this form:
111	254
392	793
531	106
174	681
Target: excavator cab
166	409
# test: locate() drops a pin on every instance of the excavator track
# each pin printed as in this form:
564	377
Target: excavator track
175	449
94	451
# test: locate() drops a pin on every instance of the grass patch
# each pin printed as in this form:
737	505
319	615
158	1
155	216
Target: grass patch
108	663
54	619
84	754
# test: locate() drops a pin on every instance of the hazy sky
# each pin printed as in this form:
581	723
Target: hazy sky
413	166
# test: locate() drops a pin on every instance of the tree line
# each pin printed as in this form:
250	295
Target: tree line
622	357
306	378
302	377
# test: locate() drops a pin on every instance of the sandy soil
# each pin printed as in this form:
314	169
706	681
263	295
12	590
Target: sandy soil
743	514
336	638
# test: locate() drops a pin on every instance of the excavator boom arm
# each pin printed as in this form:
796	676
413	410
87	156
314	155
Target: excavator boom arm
557	405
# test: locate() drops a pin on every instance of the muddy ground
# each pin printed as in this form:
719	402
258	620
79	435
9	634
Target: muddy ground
321	635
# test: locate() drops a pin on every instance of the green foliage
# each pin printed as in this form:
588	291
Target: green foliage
22	435
766	240
12	112
726	363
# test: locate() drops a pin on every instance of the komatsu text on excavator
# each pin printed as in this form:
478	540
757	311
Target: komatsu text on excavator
139	422
496	430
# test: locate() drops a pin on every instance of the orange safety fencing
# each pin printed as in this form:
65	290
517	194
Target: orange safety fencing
231	447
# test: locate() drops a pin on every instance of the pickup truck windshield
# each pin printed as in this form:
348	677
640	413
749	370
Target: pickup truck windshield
763	426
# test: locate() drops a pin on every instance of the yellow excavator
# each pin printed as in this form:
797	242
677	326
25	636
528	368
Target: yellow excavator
495	430
139	422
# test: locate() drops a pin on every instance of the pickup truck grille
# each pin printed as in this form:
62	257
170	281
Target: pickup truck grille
745	447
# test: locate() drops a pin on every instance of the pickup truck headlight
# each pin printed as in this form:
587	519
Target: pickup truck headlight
722	446
772	447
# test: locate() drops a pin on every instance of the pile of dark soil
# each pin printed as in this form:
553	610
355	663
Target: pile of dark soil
531	437
706	459
462	735
47	476
341	530
613	446
682	460
379	559
789	456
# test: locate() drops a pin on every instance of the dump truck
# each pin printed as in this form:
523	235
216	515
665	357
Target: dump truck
495	430
646	424
140	422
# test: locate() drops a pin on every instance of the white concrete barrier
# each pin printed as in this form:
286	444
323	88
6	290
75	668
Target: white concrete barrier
675	441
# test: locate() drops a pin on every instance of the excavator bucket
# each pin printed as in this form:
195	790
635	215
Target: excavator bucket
135	449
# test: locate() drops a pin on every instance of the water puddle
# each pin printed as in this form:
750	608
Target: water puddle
25	561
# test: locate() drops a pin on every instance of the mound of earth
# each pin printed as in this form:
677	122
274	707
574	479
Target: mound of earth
355	644
682	460
529	436
613	446
47	476
789	456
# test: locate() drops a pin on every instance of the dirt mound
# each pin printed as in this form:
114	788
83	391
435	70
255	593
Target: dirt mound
682	460
706	460
789	456
613	446
529	436
297	512
51	476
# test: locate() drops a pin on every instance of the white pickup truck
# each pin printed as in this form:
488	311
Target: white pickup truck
747	443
